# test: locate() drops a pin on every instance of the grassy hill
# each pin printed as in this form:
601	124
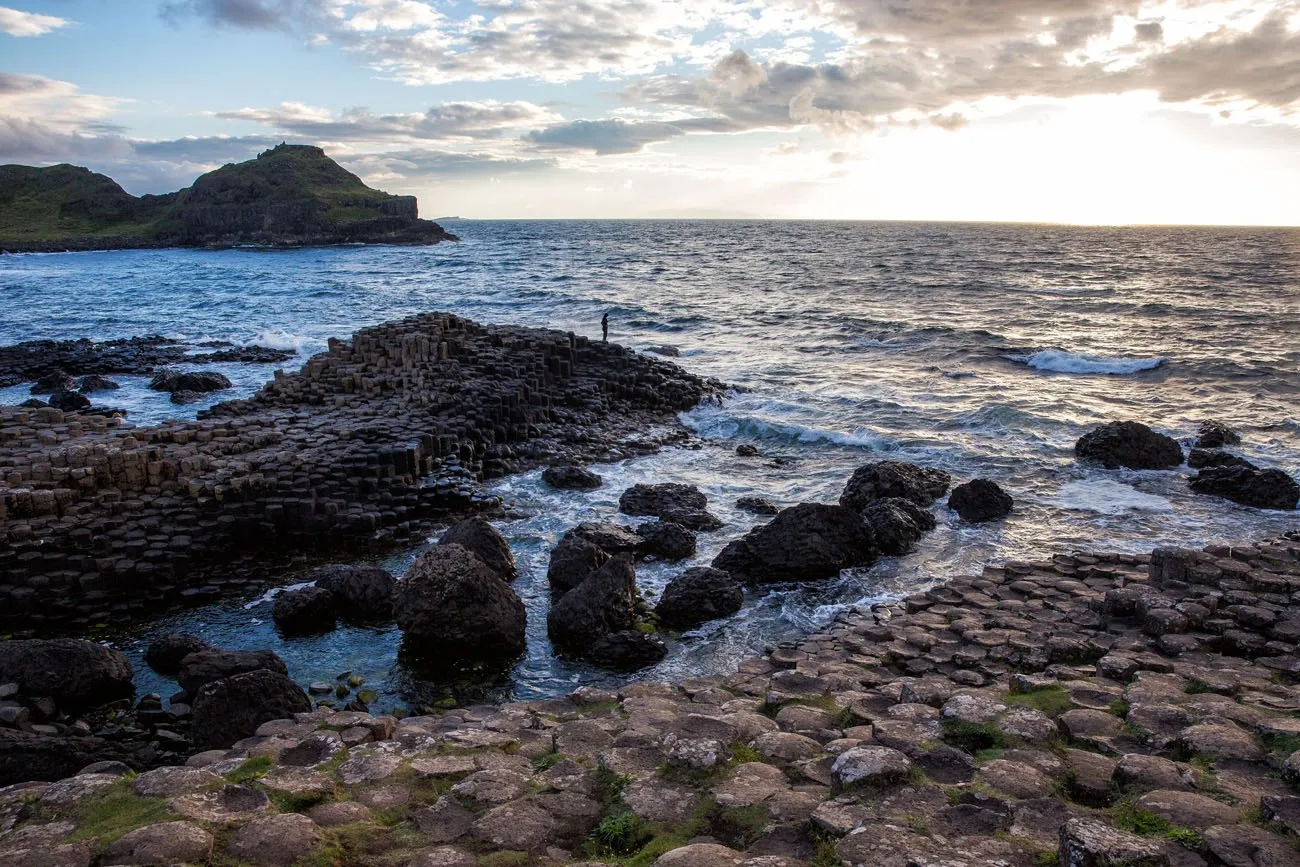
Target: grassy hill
291	195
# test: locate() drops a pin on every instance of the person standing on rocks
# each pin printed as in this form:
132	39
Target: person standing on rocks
604	328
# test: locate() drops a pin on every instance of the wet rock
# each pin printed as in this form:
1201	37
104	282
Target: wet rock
232	708
52	382
698	595
1093	843
276	841
627	650
1199	459
94	382
1129	444
305	610
195	382
570	477
747	450
805	542
870	766
71	671
206	666
1216	435
1262	489
32	756
654	500
584	549
897	524
757	506
666	540
885	479
363	592
164	654
453	607
602	604
163	843
980	500
69	401
480	538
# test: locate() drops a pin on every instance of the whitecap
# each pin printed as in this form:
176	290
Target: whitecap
1107	497
1059	361
277	338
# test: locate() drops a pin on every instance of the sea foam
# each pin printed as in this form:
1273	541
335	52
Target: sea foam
1106	497
1059	361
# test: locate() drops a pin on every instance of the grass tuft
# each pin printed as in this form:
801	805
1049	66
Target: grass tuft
251	769
1051	700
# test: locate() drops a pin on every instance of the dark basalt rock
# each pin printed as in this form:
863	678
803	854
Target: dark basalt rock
69	401
197	382
484	541
656	499
1263	489
164	654
231	709
897	524
704	522
453	606
363	592
627	650
305	610
1216	434
94	382
757	506
73	672
666	540
802	543
980	500
746	450
1129	444
569	477
28	756
33	403
572	561
669	351
52	382
205	666
245	355
1199	459
885	479
698	595
605	603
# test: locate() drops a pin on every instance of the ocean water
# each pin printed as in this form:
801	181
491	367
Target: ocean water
986	350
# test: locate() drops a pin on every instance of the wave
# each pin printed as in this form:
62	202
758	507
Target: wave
1106	497
278	338
1059	361
712	422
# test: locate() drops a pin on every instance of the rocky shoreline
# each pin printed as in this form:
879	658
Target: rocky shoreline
1090	710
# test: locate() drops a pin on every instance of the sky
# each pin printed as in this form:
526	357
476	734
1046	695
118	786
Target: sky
1073	111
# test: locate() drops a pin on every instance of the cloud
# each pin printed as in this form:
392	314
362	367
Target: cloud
15	22
246	14
60	105
604	136
415	164
450	120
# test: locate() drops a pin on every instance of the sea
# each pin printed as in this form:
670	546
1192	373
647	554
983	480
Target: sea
985	350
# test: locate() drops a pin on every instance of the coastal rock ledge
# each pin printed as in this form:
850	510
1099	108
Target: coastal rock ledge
376	437
1087	710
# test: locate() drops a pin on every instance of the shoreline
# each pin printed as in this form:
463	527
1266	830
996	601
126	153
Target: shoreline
1141	709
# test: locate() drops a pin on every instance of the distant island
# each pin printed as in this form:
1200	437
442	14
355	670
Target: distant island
289	196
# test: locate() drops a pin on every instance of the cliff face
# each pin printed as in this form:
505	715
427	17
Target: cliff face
291	195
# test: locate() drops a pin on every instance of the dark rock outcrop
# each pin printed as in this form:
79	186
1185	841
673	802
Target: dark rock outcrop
164	654
802	543
307	609
1199	459
604	603
1263	489
363	592
627	650
74	672
232	708
681	504
69	401
885	479
30	756
194	382
697	596
484	541
897	524
54	381
453	607
95	382
571	477
666	540
1216	435
980	500
757	506
206	666
584	549
1129	444
747	450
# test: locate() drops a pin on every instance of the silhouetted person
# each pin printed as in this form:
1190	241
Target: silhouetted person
604	328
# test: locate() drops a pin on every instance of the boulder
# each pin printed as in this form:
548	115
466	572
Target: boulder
454	607
195	382
231	709
363	592
870	766
164	654
52	382
681	504
698	595
484	541
605	603
885	479
1216	435
30	756
69	401
666	540
305	610
804	542
627	650
1263	489
897	524
1129	444
1199	459
757	506
162	843
1092	843
74	672
94	382
747	450
584	549
276	841
206	666
570	477
980	500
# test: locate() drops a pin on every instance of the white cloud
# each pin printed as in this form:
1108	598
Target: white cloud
446	121
15	22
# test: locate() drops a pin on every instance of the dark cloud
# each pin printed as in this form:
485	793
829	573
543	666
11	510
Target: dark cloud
1149	31
452	120
246	14
604	136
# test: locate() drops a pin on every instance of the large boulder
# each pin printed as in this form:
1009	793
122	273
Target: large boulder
363	592
305	610
164	654
69	401
884	479
627	650
94	382
30	756
897	524
484	541
1200	458
74	672
584	549
1263	489
680	504
804	542
1216	435
698	595
52	382
454	607
232	708
666	540
980	500
194	382
605	603
570	477
1129	444
205	666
